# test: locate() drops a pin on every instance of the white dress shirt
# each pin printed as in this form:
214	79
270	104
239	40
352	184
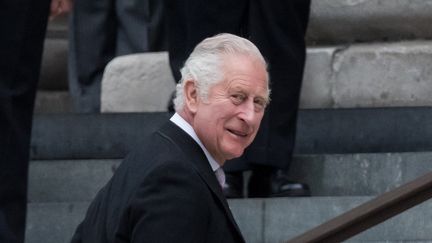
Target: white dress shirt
185	126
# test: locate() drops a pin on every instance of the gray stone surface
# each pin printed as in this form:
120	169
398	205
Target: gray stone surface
287	218
370	75
53	222
261	220
412	225
331	21
91	136
326	131
249	214
54	71
68	180
359	174
133	83
376	130
327	175
53	102
317	87
342	21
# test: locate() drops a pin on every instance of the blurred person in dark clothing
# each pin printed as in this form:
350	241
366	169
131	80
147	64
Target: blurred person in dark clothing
22	27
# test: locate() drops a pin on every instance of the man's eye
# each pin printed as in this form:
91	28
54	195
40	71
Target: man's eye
260	104
237	98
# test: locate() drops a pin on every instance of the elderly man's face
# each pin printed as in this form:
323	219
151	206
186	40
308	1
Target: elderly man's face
228	120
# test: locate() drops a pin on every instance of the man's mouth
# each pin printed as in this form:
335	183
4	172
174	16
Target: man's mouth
238	133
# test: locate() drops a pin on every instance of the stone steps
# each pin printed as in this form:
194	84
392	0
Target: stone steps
277	220
358	174
260	220
53	222
361	75
364	126
330	131
335	175
60	190
63	181
332	22
346	21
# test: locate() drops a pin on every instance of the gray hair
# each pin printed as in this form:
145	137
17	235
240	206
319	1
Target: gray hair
204	64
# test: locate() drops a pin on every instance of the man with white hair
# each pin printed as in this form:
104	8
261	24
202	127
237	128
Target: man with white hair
170	189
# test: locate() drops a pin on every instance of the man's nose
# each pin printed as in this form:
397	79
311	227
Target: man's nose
247	112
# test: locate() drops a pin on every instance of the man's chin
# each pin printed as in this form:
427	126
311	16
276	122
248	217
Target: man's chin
235	154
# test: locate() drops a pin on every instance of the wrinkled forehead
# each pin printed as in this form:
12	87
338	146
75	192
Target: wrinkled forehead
258	61
247	65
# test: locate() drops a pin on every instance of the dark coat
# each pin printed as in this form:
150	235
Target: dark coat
166	191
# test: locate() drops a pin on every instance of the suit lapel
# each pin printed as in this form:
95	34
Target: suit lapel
200	162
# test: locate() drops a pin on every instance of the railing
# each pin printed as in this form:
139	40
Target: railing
371	213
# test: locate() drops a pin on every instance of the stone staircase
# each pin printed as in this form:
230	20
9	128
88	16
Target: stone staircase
365	125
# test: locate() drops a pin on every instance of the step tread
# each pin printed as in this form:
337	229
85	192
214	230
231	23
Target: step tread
327	175
326	131
351	76
260	220
342	21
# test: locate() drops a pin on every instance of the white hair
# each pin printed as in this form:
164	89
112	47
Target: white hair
204	65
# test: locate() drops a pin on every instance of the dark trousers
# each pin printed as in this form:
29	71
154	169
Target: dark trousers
278	29
22	28
103	29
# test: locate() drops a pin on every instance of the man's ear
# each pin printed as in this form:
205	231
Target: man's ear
191	96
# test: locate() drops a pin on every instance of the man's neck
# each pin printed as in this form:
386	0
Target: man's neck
187	127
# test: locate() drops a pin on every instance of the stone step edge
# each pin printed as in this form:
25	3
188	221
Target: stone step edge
362	75
260	220
327	175
366	75
344	21
328	131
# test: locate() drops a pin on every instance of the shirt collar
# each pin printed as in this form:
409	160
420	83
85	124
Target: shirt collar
185	126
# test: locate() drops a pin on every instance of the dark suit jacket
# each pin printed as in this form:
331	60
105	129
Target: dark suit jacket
166	191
